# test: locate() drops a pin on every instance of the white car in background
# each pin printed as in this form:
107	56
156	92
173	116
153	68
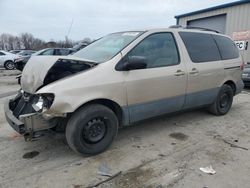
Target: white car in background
7	60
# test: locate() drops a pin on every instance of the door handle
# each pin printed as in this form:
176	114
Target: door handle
194	71
179	73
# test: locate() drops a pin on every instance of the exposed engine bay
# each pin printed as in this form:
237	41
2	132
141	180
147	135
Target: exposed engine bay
63	68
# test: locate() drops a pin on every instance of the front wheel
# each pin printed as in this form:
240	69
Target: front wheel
223	101
9	65
91	129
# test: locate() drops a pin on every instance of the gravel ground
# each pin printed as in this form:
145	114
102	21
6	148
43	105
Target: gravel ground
164	152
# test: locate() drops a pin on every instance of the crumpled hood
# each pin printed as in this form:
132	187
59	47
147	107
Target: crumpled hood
36	69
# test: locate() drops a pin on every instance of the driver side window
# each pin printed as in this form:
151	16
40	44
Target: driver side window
159	50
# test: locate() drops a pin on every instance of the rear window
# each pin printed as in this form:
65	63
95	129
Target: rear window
201	47
227	47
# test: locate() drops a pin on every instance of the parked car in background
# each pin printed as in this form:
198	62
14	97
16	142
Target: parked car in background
124	78
22	60
79	46
246	75
7	60
26	52
54	51
15	51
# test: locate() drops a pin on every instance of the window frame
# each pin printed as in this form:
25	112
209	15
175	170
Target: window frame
211	35
123	60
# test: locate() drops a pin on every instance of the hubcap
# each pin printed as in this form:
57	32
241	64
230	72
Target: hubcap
94	130
10	65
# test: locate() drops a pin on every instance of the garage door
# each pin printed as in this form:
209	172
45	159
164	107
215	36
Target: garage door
217	23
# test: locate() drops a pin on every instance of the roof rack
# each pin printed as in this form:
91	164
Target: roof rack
201	28
192	27
175	26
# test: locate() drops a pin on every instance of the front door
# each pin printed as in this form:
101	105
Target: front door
160	87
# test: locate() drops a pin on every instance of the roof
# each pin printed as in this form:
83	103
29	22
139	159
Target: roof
213	8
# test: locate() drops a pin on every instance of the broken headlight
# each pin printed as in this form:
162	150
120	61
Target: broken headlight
42	102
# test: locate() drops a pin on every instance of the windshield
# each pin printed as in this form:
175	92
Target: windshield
107	47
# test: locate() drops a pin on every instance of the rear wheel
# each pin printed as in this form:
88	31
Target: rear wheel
9	65
91	129
223	102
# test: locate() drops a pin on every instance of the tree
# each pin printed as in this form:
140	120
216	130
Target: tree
29	42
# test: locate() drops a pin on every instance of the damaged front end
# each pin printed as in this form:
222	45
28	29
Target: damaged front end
28	113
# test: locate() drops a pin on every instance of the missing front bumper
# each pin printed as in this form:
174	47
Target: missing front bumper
28	124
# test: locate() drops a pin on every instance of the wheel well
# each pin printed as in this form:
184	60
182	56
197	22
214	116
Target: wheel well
8	61
110	104
231	84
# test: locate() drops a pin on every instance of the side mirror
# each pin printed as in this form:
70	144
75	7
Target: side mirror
134	62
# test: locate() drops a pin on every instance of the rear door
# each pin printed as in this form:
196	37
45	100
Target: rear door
204	66
160	87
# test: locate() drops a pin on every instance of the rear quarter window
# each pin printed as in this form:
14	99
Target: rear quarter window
201	47
227	47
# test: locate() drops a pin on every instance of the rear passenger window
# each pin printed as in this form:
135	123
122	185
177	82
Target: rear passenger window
227	47
201	47
159	50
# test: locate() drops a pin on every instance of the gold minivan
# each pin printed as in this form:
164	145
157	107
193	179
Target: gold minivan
124	78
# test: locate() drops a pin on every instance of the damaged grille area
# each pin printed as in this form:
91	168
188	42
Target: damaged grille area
22	104
25	103
65	67
28	109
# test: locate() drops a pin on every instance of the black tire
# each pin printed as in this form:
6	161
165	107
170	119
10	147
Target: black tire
91	129
223	101
9	65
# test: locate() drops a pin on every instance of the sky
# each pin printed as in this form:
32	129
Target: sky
51	19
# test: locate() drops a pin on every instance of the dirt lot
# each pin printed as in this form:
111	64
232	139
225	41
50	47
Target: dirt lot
165	152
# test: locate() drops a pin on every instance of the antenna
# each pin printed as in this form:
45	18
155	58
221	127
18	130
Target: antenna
70	28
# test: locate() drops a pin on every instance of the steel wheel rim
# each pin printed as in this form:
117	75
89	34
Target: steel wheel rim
94	130
224	100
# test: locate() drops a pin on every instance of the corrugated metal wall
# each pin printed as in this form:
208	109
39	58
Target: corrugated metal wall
217	23
237	19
